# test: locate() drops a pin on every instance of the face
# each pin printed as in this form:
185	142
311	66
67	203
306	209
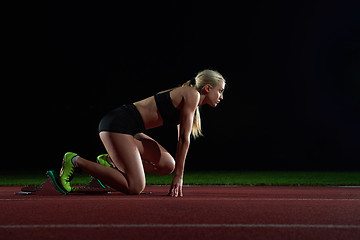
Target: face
215	94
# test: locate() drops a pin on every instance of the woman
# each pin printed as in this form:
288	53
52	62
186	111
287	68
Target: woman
131	153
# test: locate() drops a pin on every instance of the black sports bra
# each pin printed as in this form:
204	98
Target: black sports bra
169	114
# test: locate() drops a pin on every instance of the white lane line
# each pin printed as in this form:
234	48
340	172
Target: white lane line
324	226
182	199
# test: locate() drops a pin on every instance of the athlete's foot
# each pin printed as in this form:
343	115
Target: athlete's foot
105	160
67	170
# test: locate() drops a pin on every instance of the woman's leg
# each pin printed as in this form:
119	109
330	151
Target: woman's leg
130	178
155	158
110	176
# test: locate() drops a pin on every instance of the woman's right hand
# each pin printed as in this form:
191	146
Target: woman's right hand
176	187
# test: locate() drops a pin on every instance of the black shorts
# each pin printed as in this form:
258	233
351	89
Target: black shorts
125	119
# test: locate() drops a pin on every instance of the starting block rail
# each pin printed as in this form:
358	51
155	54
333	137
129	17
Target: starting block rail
52	186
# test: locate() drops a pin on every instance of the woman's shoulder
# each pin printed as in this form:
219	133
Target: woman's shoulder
186	94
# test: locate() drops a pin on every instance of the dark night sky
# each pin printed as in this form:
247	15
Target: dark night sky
292	68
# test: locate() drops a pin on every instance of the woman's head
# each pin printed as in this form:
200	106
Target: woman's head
208	77
210	83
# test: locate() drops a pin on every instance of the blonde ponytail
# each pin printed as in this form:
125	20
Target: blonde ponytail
199	82
196	128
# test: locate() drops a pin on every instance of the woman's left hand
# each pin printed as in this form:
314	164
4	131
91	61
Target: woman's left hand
176	187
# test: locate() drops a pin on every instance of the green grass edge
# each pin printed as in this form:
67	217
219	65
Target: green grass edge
239	178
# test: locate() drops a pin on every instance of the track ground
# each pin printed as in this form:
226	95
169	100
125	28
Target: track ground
206	212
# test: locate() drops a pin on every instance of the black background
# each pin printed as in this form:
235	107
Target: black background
292	70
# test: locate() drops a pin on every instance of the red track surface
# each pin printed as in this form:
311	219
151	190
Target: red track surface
204	213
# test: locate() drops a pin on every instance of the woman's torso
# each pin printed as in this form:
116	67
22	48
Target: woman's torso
149	110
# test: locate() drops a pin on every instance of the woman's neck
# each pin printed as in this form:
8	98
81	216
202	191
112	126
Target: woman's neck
202	98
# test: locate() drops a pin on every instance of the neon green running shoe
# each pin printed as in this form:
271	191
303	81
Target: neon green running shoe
67	171
103	159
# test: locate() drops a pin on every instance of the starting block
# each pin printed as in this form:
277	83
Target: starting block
52	186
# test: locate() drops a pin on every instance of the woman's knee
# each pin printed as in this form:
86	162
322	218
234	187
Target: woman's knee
136	189
136	185
167	167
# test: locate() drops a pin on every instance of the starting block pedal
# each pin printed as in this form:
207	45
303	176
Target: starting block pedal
52	186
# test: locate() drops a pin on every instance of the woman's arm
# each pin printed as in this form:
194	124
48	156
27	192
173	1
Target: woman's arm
186	122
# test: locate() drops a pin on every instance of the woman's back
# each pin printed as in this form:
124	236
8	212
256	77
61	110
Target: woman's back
149	110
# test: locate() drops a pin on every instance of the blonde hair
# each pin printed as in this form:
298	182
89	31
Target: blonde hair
202	79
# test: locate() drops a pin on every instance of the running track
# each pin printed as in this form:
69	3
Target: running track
203	213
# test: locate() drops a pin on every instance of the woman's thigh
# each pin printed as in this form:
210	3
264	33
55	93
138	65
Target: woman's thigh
156	159
126	156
